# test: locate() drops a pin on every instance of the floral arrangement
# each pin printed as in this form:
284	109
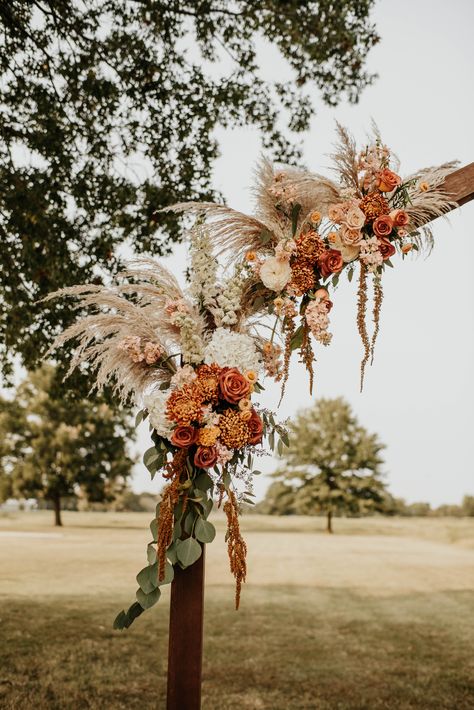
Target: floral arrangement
194	360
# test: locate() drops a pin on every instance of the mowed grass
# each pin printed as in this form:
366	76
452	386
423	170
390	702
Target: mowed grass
380	615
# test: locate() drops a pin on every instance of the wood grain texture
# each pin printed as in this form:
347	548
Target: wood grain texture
186	637
460	184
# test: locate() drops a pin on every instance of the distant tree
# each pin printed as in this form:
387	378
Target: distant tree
53	448
332	465
110	110
419	509
468	506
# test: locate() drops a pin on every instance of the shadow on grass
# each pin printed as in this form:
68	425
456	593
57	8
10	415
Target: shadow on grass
287	648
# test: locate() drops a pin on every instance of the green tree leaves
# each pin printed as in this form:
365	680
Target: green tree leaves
110	111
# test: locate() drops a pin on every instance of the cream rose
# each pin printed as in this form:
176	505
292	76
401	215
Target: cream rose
355	218
349	252
275	273
350	237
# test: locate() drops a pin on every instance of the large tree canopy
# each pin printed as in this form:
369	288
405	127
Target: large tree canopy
108	112
333	465
51	448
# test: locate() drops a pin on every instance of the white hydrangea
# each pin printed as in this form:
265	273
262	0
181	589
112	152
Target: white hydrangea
155	403
229	349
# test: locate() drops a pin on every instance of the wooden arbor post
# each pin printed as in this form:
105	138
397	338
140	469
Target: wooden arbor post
187	589
186	637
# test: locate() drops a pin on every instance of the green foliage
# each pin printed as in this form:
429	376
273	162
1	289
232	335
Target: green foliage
110	110
51	448
332	465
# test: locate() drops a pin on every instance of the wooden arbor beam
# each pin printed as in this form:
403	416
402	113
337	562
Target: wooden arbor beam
460	184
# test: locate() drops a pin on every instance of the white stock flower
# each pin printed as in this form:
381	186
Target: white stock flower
228	349
275	273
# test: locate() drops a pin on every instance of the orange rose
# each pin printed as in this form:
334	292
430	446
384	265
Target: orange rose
331	262
233	385
255	426
383	225
184	436
205	456
386	248
400	218
388	181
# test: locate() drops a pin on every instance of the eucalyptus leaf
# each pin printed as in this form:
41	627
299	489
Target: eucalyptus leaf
188	551
151	554
204	531
171	554
147	600
154	529
204	482
147	578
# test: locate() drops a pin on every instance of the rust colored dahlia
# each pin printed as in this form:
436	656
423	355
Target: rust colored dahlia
302	279
309	246
373	205
208	382
185	405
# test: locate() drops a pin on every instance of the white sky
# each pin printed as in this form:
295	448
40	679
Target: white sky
418	394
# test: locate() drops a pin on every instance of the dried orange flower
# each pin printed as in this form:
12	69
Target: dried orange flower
309	246
234	431
423	186
315	216
208	382
208	435
251	256
407	247
185	405
246	414
245	404
251	375
373	205
302	279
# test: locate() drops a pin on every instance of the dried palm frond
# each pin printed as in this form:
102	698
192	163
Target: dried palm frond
426	205
118	312
310	190
346	159
230	231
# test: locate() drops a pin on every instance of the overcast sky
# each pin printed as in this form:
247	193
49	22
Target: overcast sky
419	393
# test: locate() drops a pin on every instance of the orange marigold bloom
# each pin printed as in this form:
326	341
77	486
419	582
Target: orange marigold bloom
208	382
373	205
234	430
185	405
208	435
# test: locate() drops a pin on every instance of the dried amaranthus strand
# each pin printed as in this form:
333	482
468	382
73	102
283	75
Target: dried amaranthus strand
169	501
236	547
289	325
307	357
361	324
378	298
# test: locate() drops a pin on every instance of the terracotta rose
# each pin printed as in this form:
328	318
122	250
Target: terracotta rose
330	262
233	385
255	426
386	248
383	225
184	436
400	218
205	456
388	180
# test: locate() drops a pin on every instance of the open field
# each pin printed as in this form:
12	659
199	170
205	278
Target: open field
379	615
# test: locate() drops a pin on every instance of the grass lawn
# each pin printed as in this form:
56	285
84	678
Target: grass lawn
379	615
